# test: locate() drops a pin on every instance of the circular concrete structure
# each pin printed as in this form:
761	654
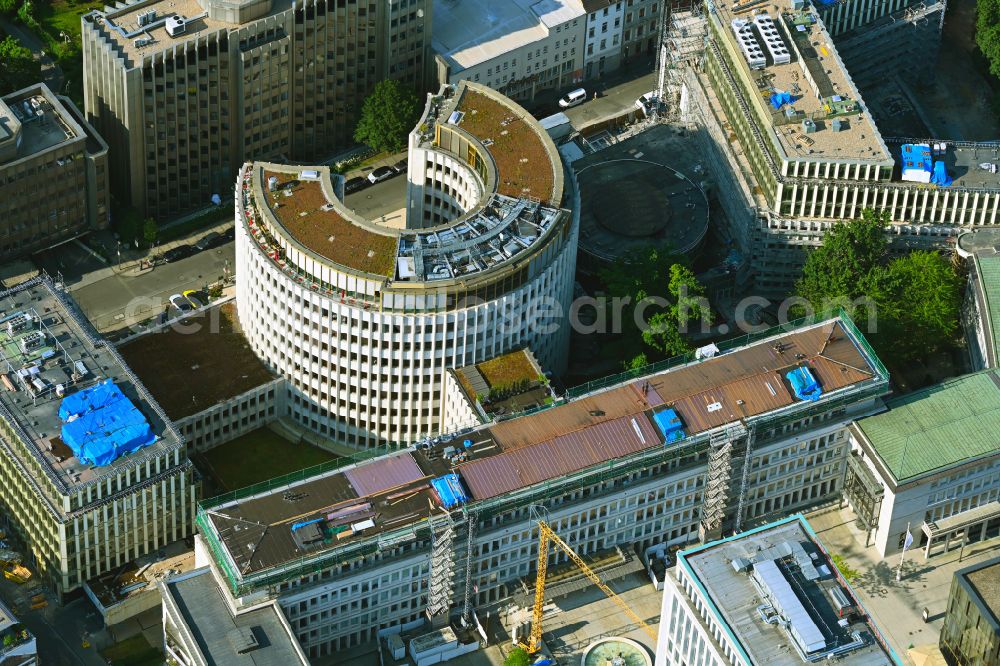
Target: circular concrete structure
364	320
629	204
615	652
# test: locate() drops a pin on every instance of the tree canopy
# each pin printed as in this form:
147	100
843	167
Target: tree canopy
988	32
517	657
19	68
387	116
657	288
915	299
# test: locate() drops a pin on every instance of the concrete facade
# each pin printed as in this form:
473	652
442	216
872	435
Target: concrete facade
181	112
378	330
656	499
78	521
53	172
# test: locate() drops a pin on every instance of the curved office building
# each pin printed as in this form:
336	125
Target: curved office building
364	319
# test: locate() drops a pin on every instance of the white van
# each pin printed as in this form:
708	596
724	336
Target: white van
573	98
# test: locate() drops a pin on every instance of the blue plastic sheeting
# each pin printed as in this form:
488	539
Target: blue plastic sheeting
941	177
670	425
449	489
303	523
917	166
109	427
779	99
804	384
544	662
95	397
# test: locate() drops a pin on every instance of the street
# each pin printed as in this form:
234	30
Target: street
382	199
119	300
58	630
612	101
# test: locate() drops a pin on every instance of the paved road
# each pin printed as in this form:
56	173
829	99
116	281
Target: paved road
58	630
117	300
52	74
385	198
613	101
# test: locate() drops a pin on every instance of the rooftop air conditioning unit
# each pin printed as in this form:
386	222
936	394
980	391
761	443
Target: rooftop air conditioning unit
176	25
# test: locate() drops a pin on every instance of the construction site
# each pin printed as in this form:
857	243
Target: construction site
613	477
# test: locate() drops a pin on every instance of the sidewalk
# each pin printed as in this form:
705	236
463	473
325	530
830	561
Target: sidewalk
139	262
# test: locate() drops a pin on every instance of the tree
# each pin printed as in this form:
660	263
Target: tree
517	657
988	32
916	299
919	301
655	287
8	7
19	68
149	230
387	116
838	270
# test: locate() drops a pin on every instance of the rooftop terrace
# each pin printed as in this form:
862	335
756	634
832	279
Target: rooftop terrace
497	233
43	119
46	352
193	367
813	74
930	430
772	589
395	492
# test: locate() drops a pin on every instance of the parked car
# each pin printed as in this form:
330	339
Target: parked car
196	297
400	166
178	253
648	102
355	185
209	241
572	98
180	303
227	235
381	173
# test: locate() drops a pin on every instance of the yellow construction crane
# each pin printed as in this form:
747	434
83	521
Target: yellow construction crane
545	535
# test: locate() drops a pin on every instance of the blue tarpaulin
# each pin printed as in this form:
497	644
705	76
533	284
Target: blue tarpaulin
941	177
779	99
917	165
303	523
804	384
86	400
449	489
670	425
108	427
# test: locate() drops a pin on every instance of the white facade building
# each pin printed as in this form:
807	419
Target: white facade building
363	319
740	601
930	463
605	27
517	47
607	475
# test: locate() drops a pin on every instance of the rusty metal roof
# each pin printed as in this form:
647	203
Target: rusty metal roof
384	473
517	468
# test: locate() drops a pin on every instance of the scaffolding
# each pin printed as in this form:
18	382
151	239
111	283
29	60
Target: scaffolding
683	34
442	564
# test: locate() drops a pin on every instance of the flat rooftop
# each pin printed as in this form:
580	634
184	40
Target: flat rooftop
139	577
516	142
472	32
122	26
508	383
500	231
193	367
44	121
970	166
260	636
44	345
985	582
396	492
943	425
783	572
820	85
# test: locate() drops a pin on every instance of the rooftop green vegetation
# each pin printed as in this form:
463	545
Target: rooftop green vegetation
937	427
258	456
